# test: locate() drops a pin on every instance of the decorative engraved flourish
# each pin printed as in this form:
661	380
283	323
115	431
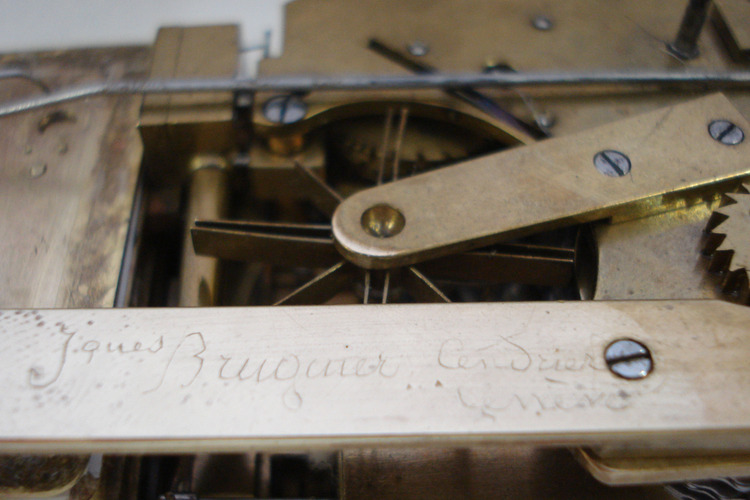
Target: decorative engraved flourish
36	374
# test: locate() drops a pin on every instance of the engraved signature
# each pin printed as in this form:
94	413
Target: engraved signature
192	358
507	355
544	402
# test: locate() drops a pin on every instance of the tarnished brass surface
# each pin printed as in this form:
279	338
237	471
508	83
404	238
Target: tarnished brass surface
658	257
177	127
347	376
67	179
623	35
517	472
464	39
29	475
550	184
648	258
191	52
279	244
206	198
275	176
66	187
732	19
625	470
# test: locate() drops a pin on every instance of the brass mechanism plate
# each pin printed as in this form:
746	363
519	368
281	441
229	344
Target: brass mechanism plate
207	379
733	21
549	184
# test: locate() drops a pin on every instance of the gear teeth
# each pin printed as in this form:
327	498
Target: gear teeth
728	245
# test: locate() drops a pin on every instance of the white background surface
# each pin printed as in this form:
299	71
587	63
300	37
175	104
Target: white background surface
27	25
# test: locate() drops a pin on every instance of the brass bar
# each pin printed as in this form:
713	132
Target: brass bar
281	244
682	79
385	375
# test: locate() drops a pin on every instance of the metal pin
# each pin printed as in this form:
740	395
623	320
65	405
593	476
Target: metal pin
386	286
685	45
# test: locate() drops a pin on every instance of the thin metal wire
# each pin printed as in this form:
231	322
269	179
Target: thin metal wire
377	82
384	146
6	74
320	182
399	141
367	287
386	286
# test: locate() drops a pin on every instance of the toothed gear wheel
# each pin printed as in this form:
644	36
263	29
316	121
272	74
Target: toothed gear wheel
728	245
426	144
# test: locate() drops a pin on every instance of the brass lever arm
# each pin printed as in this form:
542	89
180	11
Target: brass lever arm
631	168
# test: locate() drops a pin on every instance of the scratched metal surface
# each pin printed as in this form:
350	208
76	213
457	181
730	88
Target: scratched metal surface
223	379
67	180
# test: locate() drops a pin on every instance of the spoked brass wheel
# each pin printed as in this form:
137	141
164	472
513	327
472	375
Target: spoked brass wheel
298	256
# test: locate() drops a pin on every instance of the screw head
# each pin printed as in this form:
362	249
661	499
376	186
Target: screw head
542	23
726	132
418	48
629	359
285	109
546	120
612	163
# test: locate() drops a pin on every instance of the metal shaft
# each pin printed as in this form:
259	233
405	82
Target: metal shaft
379	82
685	45
206	200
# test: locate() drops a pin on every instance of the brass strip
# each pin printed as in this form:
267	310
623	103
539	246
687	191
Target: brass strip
210	379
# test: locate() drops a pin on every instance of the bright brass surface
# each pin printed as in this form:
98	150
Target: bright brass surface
728	245
549	184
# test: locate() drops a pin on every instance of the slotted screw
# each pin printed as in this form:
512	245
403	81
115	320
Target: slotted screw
612	163
726	132
629	359
285	109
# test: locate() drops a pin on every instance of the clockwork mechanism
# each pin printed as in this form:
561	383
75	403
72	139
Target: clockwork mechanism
473	251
